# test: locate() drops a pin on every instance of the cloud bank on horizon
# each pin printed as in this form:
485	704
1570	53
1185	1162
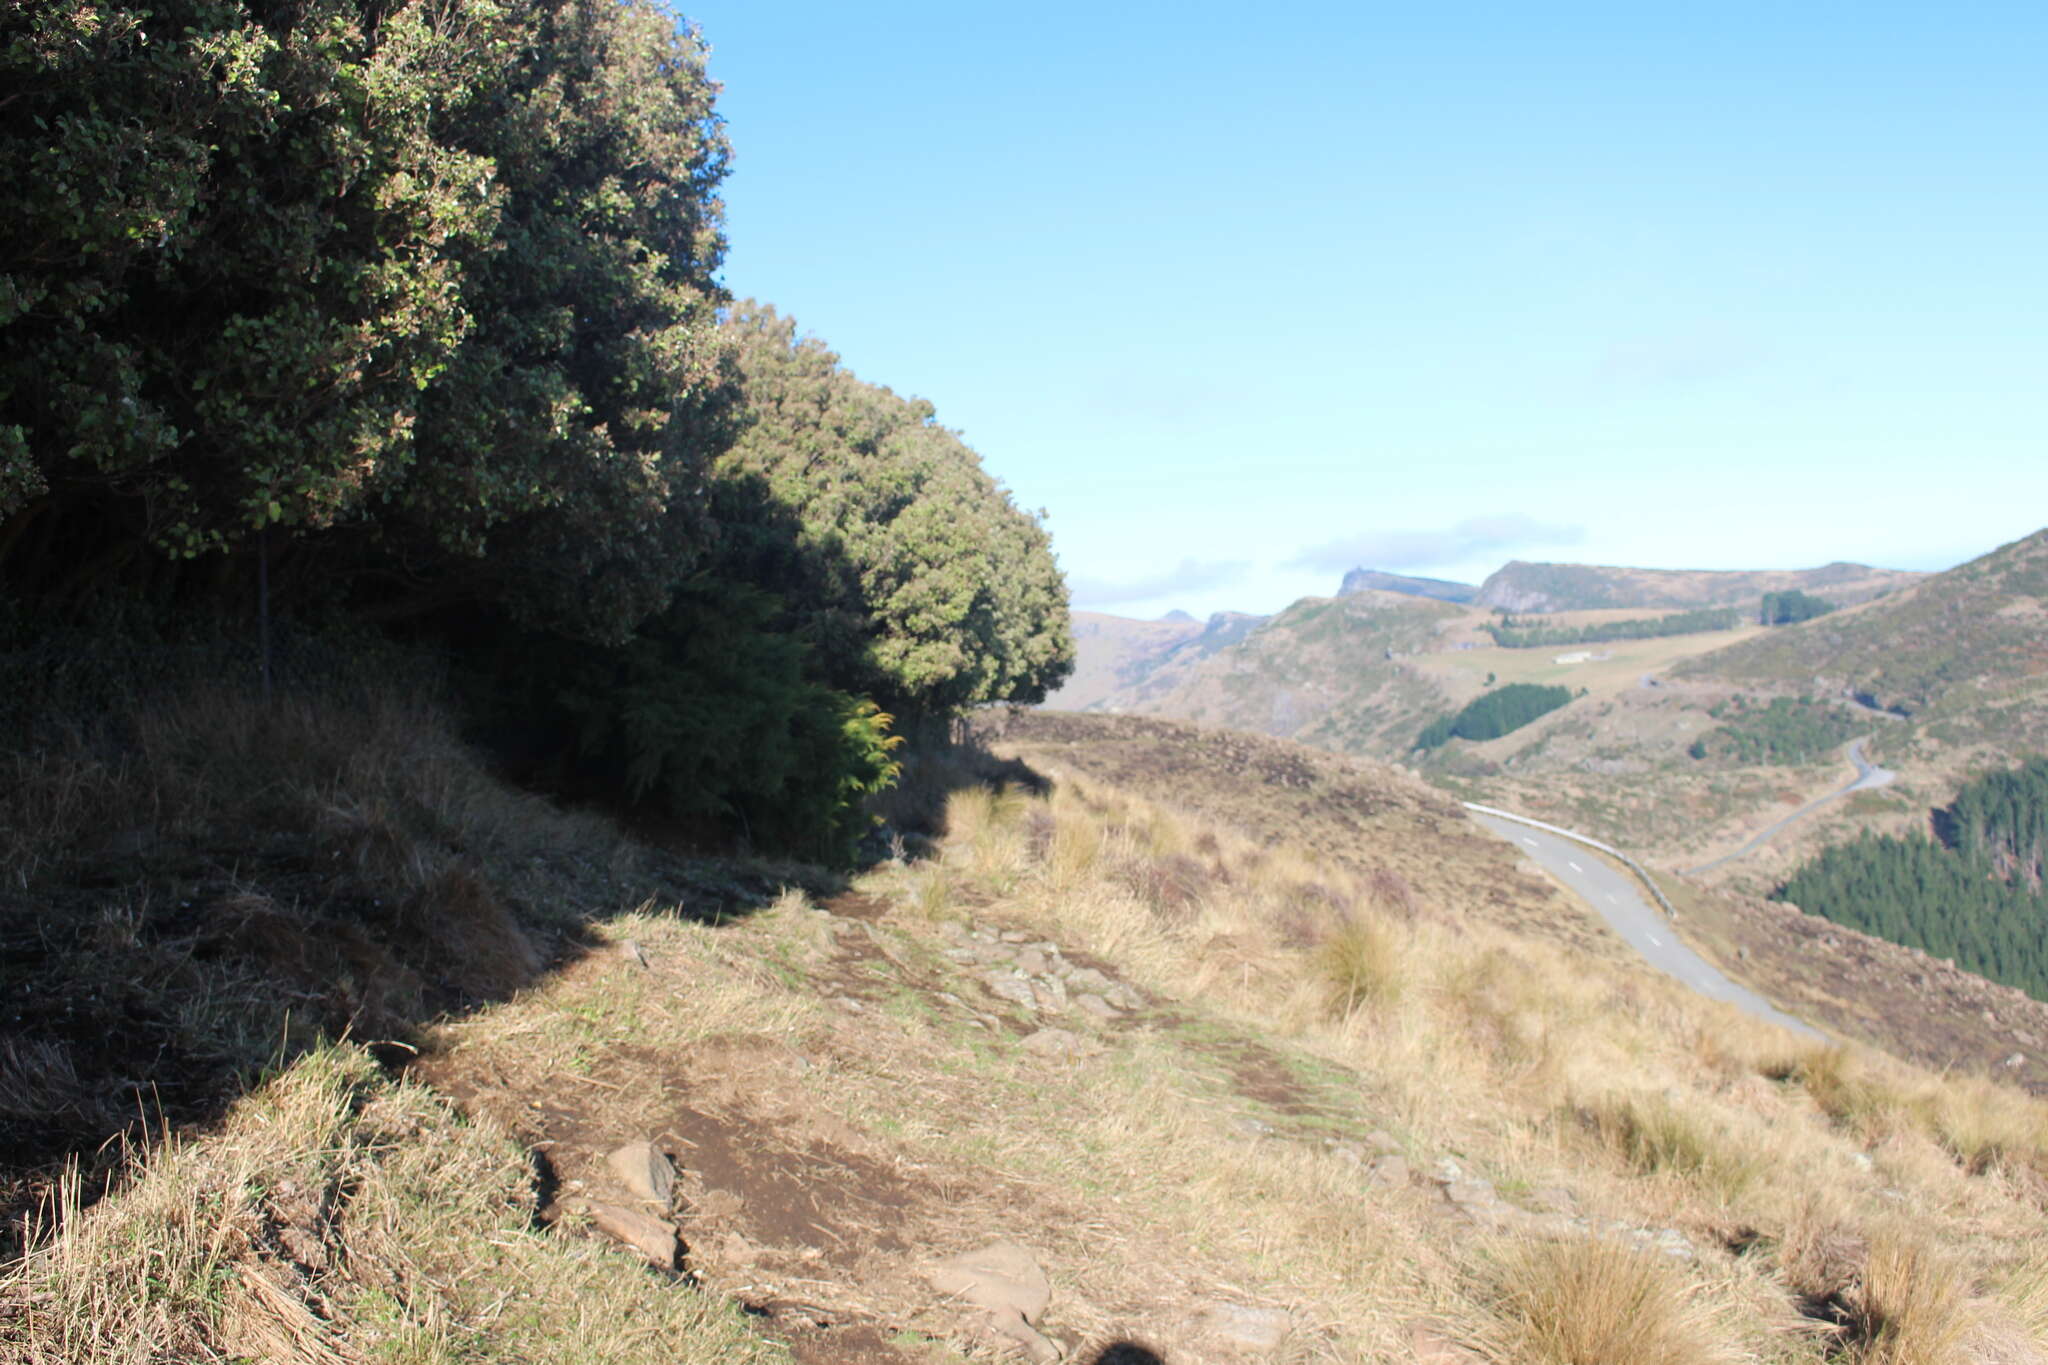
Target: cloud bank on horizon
1190	575
1396	551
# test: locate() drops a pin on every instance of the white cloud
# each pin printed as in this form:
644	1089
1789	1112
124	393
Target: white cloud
1190	575
1399	550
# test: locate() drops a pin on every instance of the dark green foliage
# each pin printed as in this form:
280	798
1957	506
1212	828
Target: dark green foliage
2001	822
1494	714
563	454
224	255
707	715
1513	633
1787	730
434	275
912	571
410	309
1976	897
1791	607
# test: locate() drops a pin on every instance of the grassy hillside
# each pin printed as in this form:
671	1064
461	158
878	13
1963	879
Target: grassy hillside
1222	1091
1366	817
1521	586
1362	675
1333	671
1121	662
1113	652
1684	747
1972	640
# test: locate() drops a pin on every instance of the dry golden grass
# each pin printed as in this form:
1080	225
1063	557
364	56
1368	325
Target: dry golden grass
1486	1022
339	1217
1584	1301
1914	1306
1652	1134
1361	961
1205	1149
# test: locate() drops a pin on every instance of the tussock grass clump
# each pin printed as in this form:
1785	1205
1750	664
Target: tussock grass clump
1914	1306
1844	1087
1592	1302
1652	1135
1361	963
1986	1127
1983	1126
2020	1323
1821	1253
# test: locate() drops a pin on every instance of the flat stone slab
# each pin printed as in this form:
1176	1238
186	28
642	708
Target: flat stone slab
1013	988
654	1238
1097	1006
1060	1043
1005	1282
1262	1330
646	1172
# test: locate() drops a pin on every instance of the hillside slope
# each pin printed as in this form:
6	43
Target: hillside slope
1201	1085
1365	816
1972	639
1327	670
1529	587
1118	659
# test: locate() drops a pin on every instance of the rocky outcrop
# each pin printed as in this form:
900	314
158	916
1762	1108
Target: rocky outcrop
1374	580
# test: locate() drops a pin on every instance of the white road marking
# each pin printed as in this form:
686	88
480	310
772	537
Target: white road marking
1613	899
1574	866
1527	840
1655	941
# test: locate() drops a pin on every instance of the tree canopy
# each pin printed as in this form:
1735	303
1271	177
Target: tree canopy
910	568
1493	714
411	310
1976	896
1790	607
441	272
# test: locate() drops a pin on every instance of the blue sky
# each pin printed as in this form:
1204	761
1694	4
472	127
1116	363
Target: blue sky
1243	296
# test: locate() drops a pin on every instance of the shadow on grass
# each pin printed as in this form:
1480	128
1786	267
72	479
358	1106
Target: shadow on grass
198	886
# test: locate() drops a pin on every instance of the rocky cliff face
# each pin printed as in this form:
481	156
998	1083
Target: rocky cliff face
1374	580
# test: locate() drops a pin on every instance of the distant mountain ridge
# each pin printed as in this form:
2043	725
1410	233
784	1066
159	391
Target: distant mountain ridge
1375	580
1522	586
1680	748
1976	635
1117	657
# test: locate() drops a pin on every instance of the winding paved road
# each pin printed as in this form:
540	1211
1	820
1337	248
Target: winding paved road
1868	774
1619	901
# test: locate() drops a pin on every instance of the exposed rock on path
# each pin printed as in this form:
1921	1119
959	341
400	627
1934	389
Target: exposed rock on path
1005	1282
